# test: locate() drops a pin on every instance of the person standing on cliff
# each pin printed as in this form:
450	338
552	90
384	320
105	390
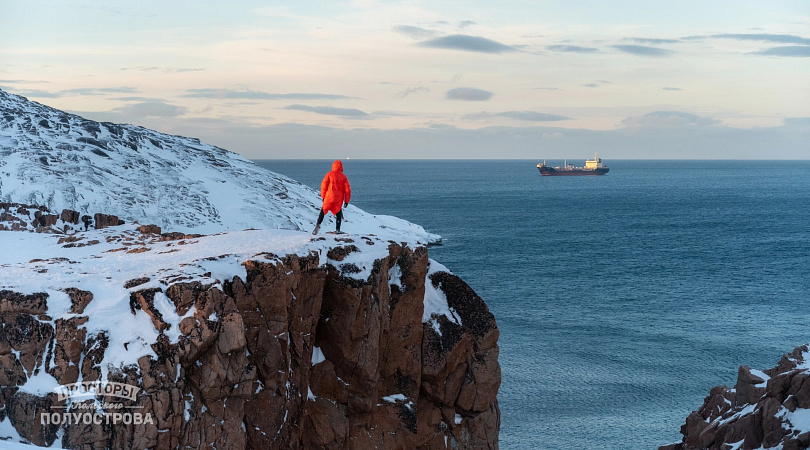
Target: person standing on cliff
335	192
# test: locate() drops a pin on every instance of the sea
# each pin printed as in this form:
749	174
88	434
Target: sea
621	299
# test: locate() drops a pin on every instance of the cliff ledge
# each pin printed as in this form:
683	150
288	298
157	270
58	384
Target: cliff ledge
250	339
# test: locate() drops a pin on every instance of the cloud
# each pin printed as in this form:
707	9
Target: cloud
415	32
571	49
138	99
79	91
100	91
412	90
642	50
37	93
669	88
468	43
468	94
151	109
22	81
163	69
532	116
529	116
763	37
387	113
256	95
788	50
653	41
465	23
596	84
669	119
330	111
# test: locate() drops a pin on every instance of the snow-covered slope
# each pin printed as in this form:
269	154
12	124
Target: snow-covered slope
63	161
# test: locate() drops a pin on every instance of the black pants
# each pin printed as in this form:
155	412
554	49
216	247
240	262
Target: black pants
338	219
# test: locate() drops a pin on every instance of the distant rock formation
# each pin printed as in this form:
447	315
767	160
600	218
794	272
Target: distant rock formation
292	354
766	409
38	219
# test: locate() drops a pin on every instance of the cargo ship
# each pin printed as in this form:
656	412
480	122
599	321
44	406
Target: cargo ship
592	167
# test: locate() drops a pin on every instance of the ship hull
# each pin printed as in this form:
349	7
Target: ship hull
552	172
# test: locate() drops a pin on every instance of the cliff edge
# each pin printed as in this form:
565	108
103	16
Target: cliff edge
129	337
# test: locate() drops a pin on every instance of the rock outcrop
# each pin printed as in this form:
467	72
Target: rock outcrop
766	409
300	351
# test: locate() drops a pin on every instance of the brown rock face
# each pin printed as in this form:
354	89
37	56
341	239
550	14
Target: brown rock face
757	413
22	217
293	355
105	220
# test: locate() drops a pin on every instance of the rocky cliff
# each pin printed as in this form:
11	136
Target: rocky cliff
765	409
128	337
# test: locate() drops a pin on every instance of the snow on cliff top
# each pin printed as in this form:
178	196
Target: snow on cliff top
103	261
63	161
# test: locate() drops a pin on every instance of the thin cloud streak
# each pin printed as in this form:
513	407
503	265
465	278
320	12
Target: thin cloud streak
330	111
653	41
762	37
151	109
415	32
669	119
78	92
468	43
642	50
799	51
571	49
23	81
100	91
256	95
526	116
411	90
468	94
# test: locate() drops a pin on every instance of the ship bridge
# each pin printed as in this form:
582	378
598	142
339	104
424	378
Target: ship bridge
595	163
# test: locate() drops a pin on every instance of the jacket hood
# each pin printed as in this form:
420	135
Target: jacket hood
337	166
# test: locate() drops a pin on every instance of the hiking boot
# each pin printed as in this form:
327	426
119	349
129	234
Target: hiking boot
317	227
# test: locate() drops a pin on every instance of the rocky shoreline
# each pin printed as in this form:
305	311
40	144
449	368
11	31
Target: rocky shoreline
765	409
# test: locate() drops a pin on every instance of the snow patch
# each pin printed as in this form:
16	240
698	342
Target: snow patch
393	398
762	375
436	301
40	382
317	356
798	420
395	276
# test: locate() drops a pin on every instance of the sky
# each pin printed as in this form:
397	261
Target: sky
653	79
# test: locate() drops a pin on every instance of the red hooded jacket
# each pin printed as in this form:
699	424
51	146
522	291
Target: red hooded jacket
335	189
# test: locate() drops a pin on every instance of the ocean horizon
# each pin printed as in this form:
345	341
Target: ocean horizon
621	299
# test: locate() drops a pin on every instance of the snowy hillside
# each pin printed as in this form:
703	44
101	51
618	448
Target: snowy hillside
63	161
